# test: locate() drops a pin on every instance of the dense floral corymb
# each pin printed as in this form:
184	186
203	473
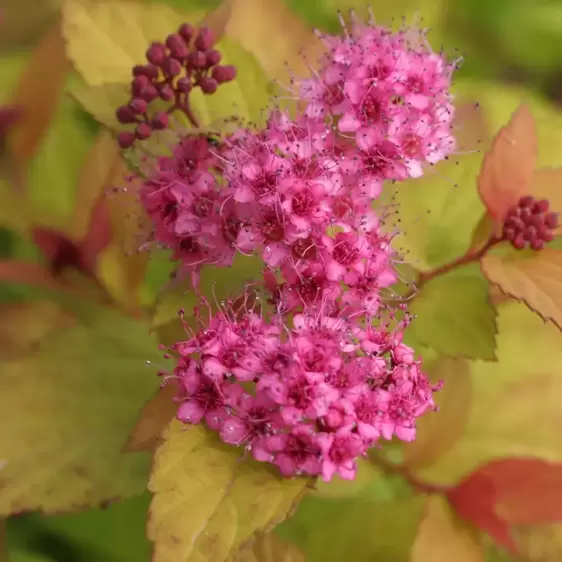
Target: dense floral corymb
313	373
310	396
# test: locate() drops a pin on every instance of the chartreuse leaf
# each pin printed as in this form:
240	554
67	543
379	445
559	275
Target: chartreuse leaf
442	537
455	315
515	408
208	500
68	408
535	280
330	530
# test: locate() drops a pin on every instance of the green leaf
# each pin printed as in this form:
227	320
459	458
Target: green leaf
455	316
208	500
67	410
515	406
329	530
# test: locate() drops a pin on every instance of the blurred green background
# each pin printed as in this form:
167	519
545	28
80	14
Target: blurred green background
503	41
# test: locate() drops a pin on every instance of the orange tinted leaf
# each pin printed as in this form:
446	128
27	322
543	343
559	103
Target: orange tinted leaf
94	176
528	490
547	184
38	93
156	415
12	271
443	538
438	432
536	280
508	166
474	500
98	236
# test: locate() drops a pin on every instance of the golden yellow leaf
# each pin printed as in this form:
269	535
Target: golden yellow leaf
535	280
38	92
208	500
508	166
444	538
269	548
154	418
539	543
438	432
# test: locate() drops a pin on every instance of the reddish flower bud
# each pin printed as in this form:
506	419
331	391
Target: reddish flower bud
148	70
138	106
177	46
526	201
186	31
224	74
213	57
208	85
171	67
184	85
148	93
125	115
125	140
540	207
551	220
197	60
143	131
156	53
160	120
204	39
138	84
166	92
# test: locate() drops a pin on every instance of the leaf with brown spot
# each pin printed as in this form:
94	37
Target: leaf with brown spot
535	280
37	93
209	501
438	432
269	548
155	417
508	166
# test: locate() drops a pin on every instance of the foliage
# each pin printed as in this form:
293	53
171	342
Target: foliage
88	435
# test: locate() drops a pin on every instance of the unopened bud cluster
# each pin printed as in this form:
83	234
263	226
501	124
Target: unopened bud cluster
530	224
186	60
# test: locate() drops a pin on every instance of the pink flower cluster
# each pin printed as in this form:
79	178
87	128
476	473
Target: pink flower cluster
312	374
323	391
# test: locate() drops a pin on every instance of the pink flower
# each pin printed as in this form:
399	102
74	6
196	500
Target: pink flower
340	452
296	452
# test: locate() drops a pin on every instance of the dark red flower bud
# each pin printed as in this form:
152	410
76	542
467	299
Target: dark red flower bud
526	201
143	131
540	207
213	57
148	70
177	46
125	115
186	31
148	93
166	92
224	74
138	106
208	85
184	85
125	140
138	84
551	220
204	39
197	60
171	67
160	120
156	53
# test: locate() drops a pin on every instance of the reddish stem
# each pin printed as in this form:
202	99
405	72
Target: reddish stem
470	257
